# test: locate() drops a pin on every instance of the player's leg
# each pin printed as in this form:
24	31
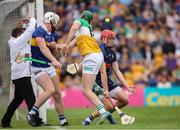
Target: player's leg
43	79
87	81
119	95
58	101
108	106
46	83
91	66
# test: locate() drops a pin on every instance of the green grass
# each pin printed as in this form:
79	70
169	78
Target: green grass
146	117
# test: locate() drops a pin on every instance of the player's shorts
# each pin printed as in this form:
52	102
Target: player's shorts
114	91
92	63
36	71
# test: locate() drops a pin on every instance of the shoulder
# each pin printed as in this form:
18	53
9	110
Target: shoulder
103	49
39	31
102	46
83	22
78	21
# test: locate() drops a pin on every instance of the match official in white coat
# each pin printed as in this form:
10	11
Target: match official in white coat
20	73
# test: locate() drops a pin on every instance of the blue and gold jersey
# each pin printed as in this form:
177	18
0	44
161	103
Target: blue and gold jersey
35	50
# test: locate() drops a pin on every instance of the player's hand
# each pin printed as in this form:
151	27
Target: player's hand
106	93
26	20
132	90
56	64
63	49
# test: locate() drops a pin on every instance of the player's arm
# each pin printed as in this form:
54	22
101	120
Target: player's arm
119	75
76	25
26	35
52	45
104	79
72	43
46	52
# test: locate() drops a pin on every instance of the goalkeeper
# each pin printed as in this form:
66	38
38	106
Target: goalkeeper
115	91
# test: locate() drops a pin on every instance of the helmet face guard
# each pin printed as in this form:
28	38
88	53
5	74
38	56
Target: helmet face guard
87	15
53	27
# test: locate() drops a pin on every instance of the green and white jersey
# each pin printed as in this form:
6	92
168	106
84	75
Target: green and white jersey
85	28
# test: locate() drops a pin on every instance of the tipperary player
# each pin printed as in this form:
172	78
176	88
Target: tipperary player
43	40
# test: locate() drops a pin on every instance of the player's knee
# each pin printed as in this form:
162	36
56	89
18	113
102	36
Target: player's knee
125	101
51	90
57	96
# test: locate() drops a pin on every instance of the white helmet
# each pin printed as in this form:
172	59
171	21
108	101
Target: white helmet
51	17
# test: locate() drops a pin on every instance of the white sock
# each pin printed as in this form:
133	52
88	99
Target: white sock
100	108
34	110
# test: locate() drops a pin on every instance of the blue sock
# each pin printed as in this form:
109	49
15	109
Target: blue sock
111	120
61	117
34	110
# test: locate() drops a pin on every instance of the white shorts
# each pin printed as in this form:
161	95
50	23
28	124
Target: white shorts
114	91
92	63
36	71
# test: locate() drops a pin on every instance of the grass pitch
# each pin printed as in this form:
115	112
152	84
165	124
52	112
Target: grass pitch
146	118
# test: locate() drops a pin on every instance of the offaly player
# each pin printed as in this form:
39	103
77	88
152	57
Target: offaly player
92	58
116	92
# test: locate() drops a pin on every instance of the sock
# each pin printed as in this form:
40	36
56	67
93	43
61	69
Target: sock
89	118
111	120
34	110
100	108
62	119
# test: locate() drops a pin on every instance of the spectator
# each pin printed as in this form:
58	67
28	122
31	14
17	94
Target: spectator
168	47
148	14
152	82
170	61
163	80
150	25
175	35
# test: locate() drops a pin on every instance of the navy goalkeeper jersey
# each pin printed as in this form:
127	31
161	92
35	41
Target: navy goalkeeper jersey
109	57
35	50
